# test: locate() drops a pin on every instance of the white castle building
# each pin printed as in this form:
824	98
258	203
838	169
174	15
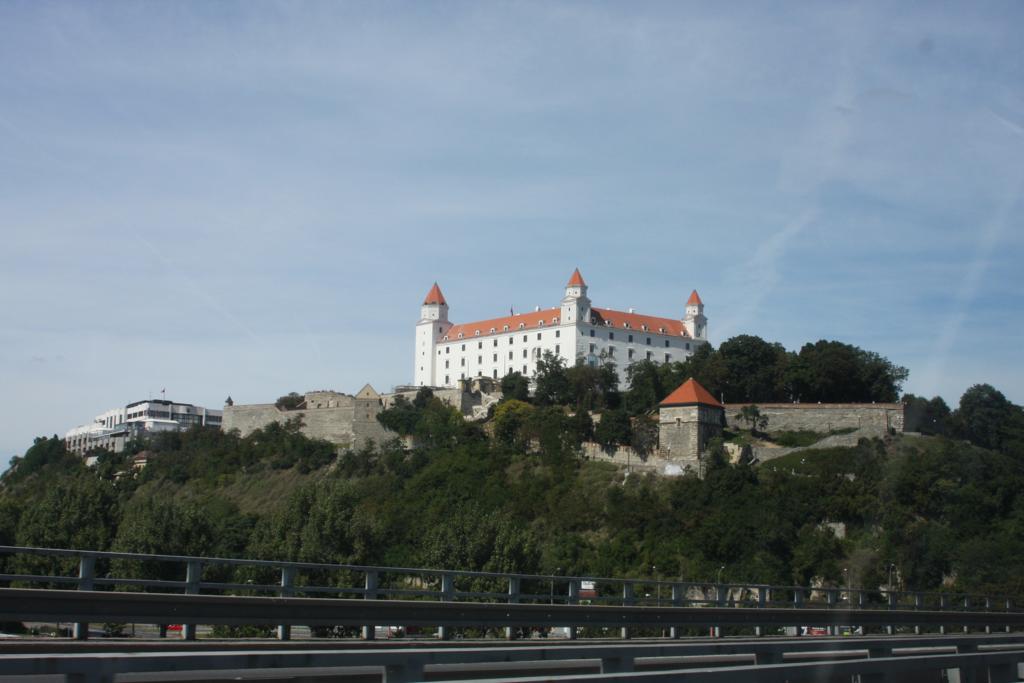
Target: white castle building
447	352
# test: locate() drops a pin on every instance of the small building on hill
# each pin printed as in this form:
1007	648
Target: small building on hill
688	419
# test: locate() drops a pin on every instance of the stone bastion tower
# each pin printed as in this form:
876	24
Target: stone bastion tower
687	420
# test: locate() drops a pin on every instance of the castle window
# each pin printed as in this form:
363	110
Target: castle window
462	375
687	346
440	330
554	321
524	353
668	357
611	335
557	349
446	379
522	325
492	330
511	340
505	328
526	338
630	354
630	339
538	335
591	333
495	375
463	346
495	360
510	355
611	351
447	349
446	365
558	333
479	360
460	335
445	338
643	327
648	341
462	362
666	342
661	330
477	333
649	355
625	325
593	347
524	369
540	323
479	345
495	342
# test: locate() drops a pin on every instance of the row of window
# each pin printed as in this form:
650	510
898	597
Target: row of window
511	356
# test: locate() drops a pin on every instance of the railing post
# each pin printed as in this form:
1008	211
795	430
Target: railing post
1009	606
891	600
943	605
918	603
574	599
513	598
762	602
370	584
86	575
830	602
447	592
988	607
284	631
967	607
193	576
677	601
628	599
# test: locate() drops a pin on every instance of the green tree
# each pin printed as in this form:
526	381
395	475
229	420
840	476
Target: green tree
552	383
515	387
614	429
983	416
290	401
593	388
510	420
749	369
752	416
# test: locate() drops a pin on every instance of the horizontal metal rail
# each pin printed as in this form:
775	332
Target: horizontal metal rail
665	591
26	604
405	664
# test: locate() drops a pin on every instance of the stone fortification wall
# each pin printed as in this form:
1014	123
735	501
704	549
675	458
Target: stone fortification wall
878	418
343	420
627	457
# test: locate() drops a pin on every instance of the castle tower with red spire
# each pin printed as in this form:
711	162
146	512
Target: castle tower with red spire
575	331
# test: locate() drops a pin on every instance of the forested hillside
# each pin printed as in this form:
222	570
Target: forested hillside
945	508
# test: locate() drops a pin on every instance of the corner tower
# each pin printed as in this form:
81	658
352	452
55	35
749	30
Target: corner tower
575	304
431	328
695	322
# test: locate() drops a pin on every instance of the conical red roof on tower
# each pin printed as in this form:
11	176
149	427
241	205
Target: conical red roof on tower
576	280
434	296
690	392
694	299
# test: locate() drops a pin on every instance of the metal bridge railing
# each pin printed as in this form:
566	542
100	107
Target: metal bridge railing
101	570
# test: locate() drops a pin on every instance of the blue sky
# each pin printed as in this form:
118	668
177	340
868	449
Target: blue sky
252	198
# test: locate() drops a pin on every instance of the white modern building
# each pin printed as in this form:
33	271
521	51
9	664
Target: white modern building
114	428
447	352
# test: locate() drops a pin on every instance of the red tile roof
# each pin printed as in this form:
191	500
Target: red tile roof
576	280
531	320
434	296
617	320
637	321
690	392
694	299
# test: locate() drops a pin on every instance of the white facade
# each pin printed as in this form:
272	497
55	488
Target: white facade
447	352
115	427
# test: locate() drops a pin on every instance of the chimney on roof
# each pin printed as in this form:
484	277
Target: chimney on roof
632	310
